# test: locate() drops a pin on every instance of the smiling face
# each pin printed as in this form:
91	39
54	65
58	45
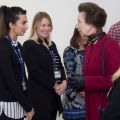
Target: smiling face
44	28
20	26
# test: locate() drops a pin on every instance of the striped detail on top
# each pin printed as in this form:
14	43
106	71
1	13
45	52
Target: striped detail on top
12	109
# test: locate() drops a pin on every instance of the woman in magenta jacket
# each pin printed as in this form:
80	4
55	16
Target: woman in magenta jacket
91	19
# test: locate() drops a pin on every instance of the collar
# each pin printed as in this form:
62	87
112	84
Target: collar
15	43
41	41
95	37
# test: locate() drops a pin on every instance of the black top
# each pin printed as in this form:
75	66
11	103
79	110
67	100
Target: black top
41	78
11	89
39	61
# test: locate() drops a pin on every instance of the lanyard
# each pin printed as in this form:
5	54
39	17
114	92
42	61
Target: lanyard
19	56
55	61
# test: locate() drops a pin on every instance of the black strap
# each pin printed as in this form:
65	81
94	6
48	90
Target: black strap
103	73
103	62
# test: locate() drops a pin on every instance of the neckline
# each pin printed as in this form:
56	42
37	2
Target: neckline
96	37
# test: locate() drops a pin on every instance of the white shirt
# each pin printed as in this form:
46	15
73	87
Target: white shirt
12	109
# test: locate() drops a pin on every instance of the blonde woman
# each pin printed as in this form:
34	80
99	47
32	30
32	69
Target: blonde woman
47	79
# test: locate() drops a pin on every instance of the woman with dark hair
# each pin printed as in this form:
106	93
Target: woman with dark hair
101	61
13	100
74	100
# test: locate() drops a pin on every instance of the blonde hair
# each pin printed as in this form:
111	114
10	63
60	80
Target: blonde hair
38	18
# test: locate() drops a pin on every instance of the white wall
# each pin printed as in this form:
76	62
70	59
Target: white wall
64	15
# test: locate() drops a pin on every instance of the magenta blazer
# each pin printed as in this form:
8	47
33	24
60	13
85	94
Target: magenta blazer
95	83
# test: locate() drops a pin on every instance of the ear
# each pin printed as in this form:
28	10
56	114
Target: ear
11	25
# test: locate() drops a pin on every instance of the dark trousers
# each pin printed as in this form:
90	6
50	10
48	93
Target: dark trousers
112	112
52	116
4	117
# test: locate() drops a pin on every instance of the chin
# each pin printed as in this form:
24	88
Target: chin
22	34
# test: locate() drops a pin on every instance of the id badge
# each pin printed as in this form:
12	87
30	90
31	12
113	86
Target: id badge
57	74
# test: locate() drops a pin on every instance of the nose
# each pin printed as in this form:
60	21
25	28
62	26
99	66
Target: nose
27	26
76	26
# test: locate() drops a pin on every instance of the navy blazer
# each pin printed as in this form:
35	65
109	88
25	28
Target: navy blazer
10	83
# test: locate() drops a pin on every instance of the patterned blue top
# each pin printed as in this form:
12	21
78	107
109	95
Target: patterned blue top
73	61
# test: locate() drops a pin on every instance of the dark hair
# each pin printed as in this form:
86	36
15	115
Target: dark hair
7	15
95	15
74	42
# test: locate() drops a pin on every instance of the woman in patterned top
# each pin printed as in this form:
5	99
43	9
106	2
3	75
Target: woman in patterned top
73	102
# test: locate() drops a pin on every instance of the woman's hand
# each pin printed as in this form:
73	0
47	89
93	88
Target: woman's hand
60	88
82	93
116	75
29	115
